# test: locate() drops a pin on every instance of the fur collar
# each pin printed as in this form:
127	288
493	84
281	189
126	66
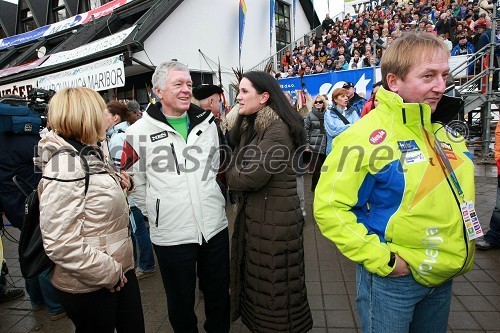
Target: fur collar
265	117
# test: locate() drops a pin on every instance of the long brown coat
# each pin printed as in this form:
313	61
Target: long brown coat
268	288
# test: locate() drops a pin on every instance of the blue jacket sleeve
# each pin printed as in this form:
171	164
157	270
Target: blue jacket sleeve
333	125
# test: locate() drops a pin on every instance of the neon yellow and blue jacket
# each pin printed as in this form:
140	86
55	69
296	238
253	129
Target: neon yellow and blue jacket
383	189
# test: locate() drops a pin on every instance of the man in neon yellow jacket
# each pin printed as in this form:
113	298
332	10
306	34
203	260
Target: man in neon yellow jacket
394	191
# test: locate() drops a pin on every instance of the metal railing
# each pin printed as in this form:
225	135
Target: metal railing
471	83
276	57
478	93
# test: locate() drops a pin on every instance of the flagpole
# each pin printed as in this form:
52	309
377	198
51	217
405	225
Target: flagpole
312	15
294	3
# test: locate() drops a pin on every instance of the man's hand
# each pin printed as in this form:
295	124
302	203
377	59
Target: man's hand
401	268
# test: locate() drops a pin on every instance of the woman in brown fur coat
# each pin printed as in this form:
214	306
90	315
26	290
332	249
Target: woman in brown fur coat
268	288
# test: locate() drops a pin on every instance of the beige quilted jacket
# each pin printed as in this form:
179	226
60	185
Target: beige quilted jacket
86	236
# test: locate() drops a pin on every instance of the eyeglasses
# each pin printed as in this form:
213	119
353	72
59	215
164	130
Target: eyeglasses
318	102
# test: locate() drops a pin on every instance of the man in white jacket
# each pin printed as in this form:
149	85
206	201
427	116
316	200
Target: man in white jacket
172	151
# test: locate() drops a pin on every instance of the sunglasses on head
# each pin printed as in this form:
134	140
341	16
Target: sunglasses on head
318	102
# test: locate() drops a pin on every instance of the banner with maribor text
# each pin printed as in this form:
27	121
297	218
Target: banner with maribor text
100	75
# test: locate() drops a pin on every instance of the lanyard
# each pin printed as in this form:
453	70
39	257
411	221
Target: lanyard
469	215
441	155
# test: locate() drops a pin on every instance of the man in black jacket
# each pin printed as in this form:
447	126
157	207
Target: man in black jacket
208	97
327	23
17	151
355	100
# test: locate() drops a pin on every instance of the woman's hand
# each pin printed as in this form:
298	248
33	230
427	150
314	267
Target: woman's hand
126	181
119	285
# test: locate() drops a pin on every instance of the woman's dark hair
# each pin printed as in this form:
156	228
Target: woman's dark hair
264	82
122	111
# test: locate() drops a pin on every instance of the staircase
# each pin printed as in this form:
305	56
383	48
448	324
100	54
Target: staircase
482	102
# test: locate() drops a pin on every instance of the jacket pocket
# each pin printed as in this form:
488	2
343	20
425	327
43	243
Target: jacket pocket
157	212
264	208
175	159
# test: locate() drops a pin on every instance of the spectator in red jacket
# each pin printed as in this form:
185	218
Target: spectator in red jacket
287	59
372	101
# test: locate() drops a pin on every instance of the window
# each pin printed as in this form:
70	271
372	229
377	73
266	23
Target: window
2	33
27	21
282	24
58	11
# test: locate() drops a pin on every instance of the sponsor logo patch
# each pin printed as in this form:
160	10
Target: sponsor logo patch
158	136
452	132
446	146
451	155
414	157
377	136
408	146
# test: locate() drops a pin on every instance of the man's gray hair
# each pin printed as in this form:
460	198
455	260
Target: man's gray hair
161	72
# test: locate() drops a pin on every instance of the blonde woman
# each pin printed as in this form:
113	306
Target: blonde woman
84	218
314	125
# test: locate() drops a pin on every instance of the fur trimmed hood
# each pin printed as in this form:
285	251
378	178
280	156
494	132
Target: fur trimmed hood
265	117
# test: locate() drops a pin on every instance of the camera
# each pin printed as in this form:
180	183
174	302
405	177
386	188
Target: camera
39	99
25	116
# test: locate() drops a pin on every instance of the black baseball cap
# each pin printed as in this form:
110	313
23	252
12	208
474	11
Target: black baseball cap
348	85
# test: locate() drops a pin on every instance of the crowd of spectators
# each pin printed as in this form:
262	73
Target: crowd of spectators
358	42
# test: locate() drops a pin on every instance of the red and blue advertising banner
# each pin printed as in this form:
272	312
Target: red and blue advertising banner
22	67
243	12
66	24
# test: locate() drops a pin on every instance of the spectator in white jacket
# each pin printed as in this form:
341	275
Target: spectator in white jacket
172	152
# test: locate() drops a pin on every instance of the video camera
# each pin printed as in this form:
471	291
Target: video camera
25	116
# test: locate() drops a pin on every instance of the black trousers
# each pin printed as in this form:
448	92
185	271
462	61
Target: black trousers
179	265
318	160
102	311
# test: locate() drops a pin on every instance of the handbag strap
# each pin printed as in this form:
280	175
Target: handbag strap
18	180
341	116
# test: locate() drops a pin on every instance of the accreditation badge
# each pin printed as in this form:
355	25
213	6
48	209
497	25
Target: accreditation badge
471	221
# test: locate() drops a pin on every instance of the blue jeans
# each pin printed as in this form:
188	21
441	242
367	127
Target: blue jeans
141	240
179	265
400	304
41	291
493	235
